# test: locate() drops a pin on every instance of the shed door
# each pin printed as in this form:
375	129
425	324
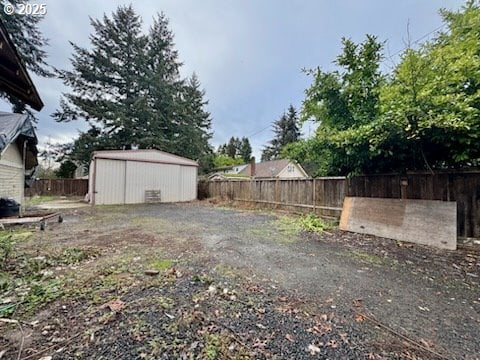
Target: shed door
110	182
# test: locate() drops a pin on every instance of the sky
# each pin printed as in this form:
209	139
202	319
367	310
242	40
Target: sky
248	54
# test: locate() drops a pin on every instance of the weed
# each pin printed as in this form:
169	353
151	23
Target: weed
368	258
74	255
314	224
212	347
7	309
203	279
37	200
6	249
161	265
309	223
41	293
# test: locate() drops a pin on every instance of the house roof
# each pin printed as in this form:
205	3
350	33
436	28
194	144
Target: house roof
144	155
266	169
14	78
15	127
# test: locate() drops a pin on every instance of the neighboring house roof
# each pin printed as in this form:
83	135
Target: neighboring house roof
14	78
237	169
18	127
148	155
217	176
269	169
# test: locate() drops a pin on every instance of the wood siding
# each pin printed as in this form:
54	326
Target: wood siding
12	174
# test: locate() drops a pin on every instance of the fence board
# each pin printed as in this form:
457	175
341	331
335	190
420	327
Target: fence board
58	187
462	187
287	194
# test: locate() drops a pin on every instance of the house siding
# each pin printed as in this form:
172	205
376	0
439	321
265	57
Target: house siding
12	174
296	173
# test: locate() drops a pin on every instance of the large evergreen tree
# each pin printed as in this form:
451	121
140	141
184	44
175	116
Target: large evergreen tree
128	87
245	151
286	131
106	81
30	44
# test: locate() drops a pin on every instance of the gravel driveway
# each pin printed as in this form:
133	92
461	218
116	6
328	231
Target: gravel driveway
353	295
415	290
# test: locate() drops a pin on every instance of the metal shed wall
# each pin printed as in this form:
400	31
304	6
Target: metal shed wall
125	182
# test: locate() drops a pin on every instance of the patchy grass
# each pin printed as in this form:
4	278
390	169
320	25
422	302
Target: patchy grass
37	200
161	264
368	258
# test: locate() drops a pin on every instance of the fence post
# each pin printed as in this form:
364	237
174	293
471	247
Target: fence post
314	200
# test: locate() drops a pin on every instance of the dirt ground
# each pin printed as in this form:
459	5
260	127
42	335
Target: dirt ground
231	284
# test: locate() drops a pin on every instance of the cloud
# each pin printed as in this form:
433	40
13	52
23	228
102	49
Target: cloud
247	54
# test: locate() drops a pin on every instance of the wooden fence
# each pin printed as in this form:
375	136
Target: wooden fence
58	187
324	196
462	187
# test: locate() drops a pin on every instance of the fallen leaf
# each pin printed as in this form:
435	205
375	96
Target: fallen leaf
359	317
261	326
313	349
289	338
114	305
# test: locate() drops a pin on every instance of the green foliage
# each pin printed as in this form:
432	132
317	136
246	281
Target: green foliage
225	160
286	131
245	150
212	347
313	223
162	264
309	223
6	249
74	255
425	115
139	99
66	170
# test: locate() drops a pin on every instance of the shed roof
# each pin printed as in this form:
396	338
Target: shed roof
144	155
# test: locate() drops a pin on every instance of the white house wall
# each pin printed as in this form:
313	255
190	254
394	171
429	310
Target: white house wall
12	180
296	173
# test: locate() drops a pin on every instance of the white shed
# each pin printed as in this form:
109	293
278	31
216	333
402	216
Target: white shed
138	176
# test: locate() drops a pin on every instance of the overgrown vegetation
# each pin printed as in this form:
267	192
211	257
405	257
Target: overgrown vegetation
423	116
309	223
29	280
